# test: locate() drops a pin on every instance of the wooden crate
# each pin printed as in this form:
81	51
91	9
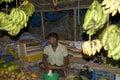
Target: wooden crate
27	50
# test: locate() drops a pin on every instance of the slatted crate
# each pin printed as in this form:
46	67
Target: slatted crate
31	51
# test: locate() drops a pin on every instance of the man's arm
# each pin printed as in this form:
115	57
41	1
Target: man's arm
66	61
45	60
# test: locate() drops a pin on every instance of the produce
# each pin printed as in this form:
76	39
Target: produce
31	58
17	19
109	62
111	6
102	78
6	75
95	18
90	48
8	1
13	67
111	41
84	77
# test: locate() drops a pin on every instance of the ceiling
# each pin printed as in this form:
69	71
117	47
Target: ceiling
47	5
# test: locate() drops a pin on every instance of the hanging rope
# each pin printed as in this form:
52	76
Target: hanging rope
16	3
78	12
6	11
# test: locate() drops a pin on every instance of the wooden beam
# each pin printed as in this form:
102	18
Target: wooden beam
42	22
74	18
61	9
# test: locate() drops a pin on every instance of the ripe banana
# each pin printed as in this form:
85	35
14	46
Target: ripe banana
112	6
90	48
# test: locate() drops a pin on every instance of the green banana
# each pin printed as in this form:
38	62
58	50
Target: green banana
117	39
105	17
99	12
16	30
10	27
111	37
116	50
104	37
2	14
117	56
89	15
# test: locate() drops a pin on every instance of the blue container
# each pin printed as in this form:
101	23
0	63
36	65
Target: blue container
96	75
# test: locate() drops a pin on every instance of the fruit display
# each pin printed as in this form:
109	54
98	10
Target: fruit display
95	18
111	6
31	58
112	63
11	50
17	19
9	66
8	1
6	75
111	41
90	48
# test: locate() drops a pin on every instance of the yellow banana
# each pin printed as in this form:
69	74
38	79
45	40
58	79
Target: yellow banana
114	12
93	49
98	44
109	4
104	2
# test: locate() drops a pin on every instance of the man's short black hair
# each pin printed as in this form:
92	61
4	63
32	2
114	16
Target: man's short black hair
53	34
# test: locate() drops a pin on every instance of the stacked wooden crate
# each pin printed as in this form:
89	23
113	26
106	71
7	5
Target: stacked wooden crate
30	51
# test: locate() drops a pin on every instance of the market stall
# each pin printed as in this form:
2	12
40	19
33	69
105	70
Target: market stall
19	59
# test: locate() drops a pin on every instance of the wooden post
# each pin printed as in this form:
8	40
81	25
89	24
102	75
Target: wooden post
42	22
74	18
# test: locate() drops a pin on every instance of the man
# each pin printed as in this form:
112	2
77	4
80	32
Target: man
55	56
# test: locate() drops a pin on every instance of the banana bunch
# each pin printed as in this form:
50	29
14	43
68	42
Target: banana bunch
90	48
29	8
94	18
8	1
17	19
111	6
14	22
111	41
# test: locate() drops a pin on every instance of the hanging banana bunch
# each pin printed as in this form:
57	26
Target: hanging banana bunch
7	1
95	18
17	19
111	6
111	41
90	48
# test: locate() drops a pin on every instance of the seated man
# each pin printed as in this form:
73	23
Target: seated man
55	56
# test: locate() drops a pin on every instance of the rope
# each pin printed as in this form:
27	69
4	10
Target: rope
78	12
16	3
6	11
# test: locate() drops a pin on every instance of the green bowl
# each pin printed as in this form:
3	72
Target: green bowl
53	76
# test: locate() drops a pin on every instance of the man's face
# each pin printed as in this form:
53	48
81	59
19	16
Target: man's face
52	40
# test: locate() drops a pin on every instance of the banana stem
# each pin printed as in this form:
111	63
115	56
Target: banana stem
6	8
89	37
16	3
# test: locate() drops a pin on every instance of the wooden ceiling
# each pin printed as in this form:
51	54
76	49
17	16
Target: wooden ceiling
47	5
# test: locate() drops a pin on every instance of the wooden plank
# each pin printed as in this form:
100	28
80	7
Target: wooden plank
42	21
74	19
